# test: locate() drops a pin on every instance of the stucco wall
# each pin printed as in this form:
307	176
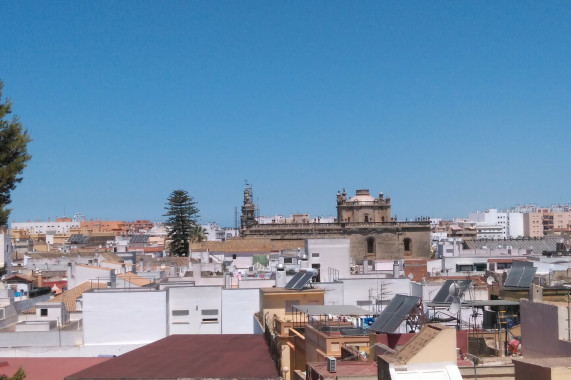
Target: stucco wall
238	309
203	305
329	254
125	317
542	327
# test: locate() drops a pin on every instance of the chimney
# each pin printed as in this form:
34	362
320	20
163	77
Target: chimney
280	276
39	279
396	269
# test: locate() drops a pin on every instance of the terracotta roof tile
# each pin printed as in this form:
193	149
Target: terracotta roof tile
69	297
247	245
135	279
217	356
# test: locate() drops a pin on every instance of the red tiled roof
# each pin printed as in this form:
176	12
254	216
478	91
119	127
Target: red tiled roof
237	356
153	249
46	368
346	369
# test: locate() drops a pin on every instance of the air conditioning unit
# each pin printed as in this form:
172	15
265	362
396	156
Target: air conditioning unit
331	364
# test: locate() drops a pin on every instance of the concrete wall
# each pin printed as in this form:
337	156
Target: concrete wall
195	310
238	308
332	255
124	317
55	338
543	326
78	274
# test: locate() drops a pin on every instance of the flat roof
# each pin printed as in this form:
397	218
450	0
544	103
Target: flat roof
332	309
346	369
477	303
284	290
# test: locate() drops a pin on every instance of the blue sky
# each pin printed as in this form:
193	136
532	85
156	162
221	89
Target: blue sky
447	107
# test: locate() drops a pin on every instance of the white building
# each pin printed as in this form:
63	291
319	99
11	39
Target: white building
47	228
5	251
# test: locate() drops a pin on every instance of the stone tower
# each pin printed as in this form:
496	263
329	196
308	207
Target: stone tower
363	208
247	219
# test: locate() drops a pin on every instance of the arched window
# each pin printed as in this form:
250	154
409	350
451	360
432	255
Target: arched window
370	245
407	244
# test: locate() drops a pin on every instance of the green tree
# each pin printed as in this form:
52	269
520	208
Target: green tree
19	375
13	155
182	224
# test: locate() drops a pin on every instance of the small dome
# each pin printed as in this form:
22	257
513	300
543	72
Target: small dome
362	196
281	266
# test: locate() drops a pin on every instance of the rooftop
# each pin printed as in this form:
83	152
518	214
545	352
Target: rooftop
70	296
232	356
47	368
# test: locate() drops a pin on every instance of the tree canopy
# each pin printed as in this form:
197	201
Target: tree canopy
14	155
182	222
19	375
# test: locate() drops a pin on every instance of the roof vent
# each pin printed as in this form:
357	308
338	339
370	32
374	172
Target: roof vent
331	364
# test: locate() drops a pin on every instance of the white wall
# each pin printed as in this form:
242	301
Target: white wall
124	317
515	224
78	274
6	253
238	308
43	227
329	253
200	302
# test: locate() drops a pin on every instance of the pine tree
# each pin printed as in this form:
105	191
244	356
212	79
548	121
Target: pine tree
13	155
182	223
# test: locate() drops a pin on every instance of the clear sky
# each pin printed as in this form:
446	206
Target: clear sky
445	106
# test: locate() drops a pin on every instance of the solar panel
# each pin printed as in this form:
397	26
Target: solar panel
513	276
527	277
298	282
393	315
443	295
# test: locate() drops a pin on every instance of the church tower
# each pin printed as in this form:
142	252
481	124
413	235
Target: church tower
247	219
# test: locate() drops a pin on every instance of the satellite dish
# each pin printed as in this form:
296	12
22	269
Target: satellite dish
163	266
455	305
424	282
410	276
454	289
490	280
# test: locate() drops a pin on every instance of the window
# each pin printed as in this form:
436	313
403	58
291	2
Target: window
180	313
288	260
234	257
370	245
464	268
209	320
407	244
315	254
481	267
209	311
44	312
